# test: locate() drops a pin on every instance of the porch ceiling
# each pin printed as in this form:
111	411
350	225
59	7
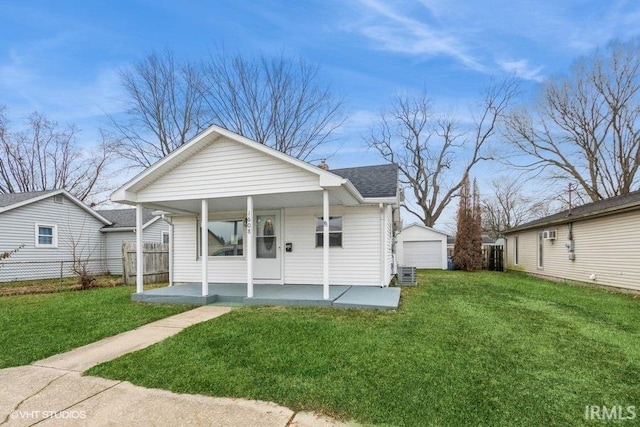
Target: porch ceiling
337	196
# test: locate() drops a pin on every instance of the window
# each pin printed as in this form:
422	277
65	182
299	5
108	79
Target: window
165	237
46	236
335	231
540	249
515	250
226	237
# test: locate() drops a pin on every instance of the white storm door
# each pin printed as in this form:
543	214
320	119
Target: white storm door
267	264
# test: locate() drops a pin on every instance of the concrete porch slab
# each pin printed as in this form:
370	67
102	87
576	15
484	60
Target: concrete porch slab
369	297
342	296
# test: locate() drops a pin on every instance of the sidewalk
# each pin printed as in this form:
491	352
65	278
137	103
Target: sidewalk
53	392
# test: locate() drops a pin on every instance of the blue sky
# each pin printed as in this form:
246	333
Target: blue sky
62	58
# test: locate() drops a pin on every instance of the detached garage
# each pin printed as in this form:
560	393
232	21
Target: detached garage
422	247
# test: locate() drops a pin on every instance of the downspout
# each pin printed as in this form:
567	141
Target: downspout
383	244
167	219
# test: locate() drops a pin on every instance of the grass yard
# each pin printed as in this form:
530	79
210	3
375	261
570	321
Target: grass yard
463	349
37	326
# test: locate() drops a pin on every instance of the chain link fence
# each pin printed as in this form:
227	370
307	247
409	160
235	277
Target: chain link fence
25	271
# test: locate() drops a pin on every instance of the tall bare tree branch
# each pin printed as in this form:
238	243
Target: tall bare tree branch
429	149
45	156
586	126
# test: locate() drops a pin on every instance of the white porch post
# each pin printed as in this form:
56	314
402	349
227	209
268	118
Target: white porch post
204	246
325	244
139	254
249	247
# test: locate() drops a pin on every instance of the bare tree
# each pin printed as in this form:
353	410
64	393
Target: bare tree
165	108
586	126
45	156
508	206
429	149
279	101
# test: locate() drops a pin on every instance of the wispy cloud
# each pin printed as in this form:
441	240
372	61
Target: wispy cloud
522	69
395	31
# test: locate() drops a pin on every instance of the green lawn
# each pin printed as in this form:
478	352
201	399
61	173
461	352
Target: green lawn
463	349
33	327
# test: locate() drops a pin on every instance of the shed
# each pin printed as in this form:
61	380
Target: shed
422	247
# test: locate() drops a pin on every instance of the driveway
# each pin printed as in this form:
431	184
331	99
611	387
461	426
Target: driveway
53	391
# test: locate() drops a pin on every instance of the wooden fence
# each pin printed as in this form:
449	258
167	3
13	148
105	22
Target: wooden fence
493	258
155	261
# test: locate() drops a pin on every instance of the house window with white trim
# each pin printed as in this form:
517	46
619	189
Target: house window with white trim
226	237
165	237
335	232
540	249
46	236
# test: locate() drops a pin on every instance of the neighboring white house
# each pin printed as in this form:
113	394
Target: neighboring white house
51	228
122	230
598	242
422	247
268	215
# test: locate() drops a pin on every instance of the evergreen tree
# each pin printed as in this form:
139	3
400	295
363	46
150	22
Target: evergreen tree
467	252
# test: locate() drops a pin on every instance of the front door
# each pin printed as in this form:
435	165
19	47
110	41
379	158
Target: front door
268	263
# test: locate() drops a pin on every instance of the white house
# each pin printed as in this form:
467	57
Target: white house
122	230
268	216
598	243
422	247
51	228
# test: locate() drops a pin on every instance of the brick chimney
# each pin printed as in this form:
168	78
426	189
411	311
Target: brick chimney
323	165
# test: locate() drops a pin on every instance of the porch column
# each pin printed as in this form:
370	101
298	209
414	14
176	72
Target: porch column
248	247
325	244
204	245
139	252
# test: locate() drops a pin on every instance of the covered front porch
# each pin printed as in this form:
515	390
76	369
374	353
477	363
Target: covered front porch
365	297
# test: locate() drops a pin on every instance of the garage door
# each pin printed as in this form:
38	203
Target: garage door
423	254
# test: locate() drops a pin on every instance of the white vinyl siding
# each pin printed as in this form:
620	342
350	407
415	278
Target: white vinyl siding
608	247
357	262
114	240
228	169
74	225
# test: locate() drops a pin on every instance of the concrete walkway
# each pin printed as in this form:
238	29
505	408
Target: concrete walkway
53	392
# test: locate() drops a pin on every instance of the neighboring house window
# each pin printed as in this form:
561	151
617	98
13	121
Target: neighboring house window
46	236
165	237
540	249
335	231
226	237
515	250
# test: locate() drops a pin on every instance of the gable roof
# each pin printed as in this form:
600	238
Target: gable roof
370	178
424	227
126	218
372	181
16	200
608	206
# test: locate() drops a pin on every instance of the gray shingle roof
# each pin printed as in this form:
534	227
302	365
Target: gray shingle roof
372	181
125	217
13	198
612	204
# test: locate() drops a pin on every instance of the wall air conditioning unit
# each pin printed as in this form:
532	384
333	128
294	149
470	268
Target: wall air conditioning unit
550	234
